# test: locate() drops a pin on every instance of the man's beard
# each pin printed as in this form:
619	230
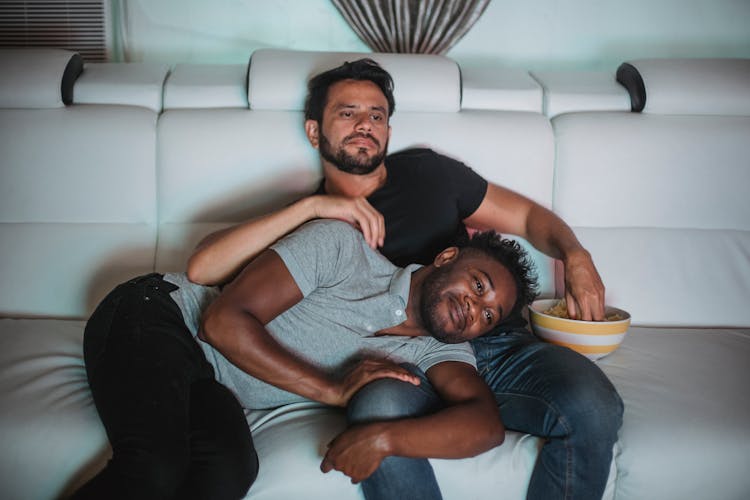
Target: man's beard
431	298
357	165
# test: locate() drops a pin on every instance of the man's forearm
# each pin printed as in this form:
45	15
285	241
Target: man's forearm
458	431
551	235
245	342
221	255
468	424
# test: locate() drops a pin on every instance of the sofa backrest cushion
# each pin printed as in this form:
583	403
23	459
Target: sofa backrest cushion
688	86
38	78
661	203
131	84
78	209
206	86
277	79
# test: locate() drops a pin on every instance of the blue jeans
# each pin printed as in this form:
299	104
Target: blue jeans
389	399
541	389
558	394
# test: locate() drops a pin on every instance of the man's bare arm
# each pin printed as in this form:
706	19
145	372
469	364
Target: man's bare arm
234	325
508	212
221	255
468	425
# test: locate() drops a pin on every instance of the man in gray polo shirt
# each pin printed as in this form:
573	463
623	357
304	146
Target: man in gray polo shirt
319	316
328	301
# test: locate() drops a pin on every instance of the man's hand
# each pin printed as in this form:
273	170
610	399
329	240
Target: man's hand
356	211
584	290
357	452
365	372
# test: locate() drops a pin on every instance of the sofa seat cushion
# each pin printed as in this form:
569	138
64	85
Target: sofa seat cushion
291	441
686	429
53	440
50	434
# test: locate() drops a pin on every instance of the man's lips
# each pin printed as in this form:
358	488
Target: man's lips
457	314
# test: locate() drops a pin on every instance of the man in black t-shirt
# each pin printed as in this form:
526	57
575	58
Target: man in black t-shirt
414	202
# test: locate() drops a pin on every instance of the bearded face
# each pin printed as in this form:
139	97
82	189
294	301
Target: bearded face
359	163
433	295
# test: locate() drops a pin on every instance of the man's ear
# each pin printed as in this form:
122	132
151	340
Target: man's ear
312	130
447	256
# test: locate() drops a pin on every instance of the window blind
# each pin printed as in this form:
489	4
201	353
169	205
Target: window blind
78	25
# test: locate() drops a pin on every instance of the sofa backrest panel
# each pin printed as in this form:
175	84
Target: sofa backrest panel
78	210
78	164
222	166
513	149
661	202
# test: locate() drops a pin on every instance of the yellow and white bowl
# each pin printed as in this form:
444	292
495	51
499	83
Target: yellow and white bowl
593	339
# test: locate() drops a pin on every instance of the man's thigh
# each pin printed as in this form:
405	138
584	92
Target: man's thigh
540	386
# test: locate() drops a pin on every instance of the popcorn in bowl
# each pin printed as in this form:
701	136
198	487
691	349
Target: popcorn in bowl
594	339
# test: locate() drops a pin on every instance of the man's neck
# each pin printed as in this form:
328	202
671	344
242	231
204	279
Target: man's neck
413	325
351	185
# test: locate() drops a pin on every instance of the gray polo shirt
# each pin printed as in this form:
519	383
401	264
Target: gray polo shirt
350	292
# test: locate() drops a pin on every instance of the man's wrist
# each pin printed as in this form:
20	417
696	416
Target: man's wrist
308	208
576	255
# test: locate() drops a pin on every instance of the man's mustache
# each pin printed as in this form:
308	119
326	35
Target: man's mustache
361	135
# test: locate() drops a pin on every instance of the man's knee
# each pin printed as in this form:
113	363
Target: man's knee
593	406
388	399
148	474
229	477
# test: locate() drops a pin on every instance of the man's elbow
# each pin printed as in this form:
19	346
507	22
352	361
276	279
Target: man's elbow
195	270
494	431
499	435
210	330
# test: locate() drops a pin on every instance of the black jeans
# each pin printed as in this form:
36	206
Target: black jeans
175	432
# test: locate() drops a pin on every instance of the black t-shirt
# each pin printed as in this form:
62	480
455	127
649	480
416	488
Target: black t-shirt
424	200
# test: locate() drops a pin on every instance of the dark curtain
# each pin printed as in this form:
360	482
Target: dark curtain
411	26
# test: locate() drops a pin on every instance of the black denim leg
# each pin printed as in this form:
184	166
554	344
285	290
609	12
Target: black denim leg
144	369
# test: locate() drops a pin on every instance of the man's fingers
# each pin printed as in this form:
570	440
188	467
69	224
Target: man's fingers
571	304
370	222
588	307
397	372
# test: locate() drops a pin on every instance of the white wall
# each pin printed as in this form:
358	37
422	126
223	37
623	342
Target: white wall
531	34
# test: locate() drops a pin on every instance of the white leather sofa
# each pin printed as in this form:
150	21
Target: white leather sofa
121	169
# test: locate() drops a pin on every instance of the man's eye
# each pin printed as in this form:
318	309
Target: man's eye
377	118
478	285
488	316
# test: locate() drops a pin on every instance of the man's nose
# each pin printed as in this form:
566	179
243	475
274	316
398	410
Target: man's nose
363	122
472	309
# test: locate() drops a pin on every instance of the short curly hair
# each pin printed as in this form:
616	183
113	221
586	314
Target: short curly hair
361	69
514	258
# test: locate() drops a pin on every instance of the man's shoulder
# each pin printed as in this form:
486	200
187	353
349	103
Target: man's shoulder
330	227
412	155
419	160
322	234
